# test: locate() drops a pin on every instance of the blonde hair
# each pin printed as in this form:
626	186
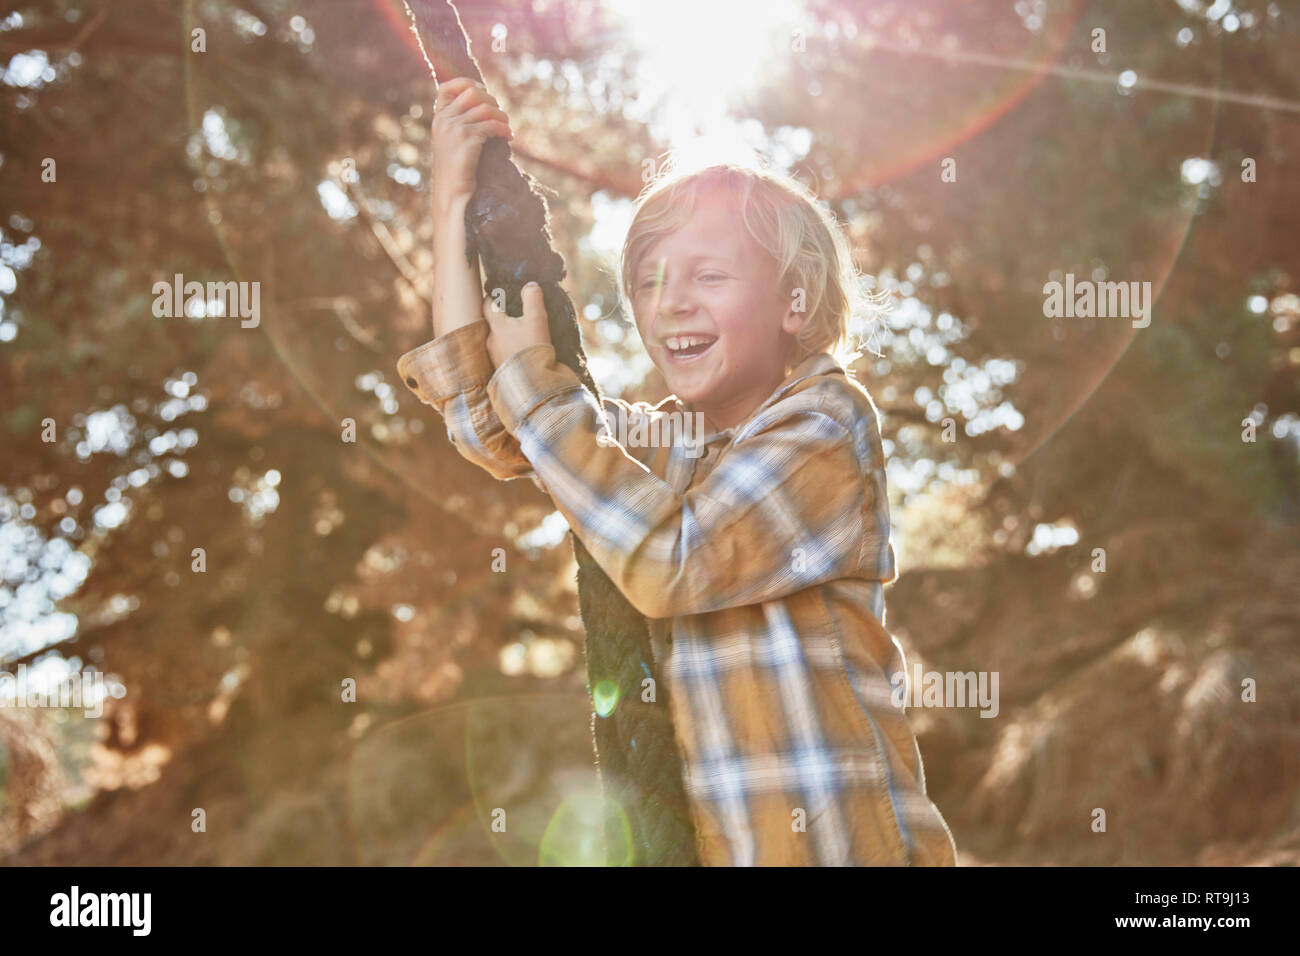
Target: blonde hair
798	230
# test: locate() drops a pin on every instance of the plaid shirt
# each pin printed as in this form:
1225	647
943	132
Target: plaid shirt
760	561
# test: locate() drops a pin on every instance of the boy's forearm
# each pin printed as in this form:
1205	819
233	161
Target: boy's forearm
457	300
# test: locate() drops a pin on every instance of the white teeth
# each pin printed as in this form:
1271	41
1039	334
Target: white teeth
677	343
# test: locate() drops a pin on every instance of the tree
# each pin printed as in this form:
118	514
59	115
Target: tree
289	152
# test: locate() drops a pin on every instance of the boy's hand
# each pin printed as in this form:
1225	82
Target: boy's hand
464	116
508	334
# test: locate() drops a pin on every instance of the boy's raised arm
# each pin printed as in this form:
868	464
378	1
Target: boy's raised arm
451	371
464	116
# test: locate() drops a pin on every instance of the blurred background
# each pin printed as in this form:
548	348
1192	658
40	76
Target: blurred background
1104	515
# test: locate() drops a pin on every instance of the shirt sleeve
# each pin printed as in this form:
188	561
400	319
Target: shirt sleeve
788	506
450	374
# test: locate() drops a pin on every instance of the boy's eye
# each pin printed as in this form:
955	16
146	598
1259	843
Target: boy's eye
653	281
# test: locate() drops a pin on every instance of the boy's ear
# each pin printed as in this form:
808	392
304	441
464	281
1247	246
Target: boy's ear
795	316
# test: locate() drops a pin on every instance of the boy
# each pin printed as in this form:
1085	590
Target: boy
760	562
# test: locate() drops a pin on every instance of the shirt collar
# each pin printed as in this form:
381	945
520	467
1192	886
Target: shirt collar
819	363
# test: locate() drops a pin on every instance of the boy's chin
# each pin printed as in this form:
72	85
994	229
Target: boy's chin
688	385
685	392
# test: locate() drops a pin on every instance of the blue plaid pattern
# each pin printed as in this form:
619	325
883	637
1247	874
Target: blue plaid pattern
761	566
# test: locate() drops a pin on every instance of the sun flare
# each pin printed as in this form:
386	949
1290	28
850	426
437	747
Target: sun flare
695	56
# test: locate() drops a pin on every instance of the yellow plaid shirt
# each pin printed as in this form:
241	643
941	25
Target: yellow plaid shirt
759	555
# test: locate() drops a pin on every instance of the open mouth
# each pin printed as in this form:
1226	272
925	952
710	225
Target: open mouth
690	353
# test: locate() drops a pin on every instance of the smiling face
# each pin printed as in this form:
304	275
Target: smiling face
710	279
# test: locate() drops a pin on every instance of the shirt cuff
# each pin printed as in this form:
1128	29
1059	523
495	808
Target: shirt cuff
526	380
448	364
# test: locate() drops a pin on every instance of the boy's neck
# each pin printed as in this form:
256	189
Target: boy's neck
714	426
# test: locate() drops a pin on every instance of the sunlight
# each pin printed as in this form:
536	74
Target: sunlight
694	57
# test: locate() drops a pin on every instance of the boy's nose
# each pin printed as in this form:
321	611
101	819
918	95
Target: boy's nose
673	297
